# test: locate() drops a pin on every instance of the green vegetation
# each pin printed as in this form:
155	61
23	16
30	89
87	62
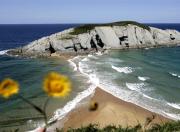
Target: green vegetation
167	127
88	27
65	37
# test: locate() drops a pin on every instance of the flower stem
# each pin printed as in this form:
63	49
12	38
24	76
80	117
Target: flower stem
44	109
41	111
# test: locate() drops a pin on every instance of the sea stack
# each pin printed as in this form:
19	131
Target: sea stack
99	37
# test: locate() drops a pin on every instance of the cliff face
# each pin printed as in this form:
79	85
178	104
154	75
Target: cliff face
100	38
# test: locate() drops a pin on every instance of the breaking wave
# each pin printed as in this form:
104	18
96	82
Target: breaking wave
125	70
60	113
173	116
136	90
174	74
143	78
78	66
73	64
174	105
135	86
3	52
92	56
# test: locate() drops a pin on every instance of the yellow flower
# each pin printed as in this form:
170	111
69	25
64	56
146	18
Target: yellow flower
56	85
8	87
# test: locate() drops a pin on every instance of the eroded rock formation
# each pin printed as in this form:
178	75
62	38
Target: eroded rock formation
99	38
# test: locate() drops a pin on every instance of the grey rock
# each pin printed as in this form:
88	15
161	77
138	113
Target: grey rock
103	37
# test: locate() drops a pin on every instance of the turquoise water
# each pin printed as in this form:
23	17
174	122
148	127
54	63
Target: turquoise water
149	78
30	73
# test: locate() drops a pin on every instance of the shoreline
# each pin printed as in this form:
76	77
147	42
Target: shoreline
71	57
111	111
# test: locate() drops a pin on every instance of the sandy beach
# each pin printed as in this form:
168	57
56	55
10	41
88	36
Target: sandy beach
110	111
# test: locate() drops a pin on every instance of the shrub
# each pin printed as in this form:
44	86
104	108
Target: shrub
85	28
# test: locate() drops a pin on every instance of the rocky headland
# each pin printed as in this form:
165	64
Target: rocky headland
92	38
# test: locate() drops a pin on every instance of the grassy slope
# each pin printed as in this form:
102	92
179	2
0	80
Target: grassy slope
88	27
167	127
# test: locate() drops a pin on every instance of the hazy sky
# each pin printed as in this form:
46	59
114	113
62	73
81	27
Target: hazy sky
88	11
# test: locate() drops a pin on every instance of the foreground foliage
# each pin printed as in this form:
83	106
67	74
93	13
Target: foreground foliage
88	27
167	127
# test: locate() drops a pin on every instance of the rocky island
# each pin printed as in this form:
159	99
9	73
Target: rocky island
92	38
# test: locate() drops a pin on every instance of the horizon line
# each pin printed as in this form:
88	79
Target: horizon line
78	23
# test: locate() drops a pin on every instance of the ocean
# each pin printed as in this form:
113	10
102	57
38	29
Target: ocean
149	78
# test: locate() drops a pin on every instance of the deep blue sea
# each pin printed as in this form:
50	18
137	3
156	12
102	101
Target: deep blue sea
149	78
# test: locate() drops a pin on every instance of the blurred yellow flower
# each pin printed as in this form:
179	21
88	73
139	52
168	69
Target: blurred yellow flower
56	85
8	87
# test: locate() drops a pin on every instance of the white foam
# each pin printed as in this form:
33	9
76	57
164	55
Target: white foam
94	79
149	97
174	74
135	86
3	52
81	67
60	113
174	105
172	116
143	78
85	59
125	70
73	64
99	53
127	95
92	56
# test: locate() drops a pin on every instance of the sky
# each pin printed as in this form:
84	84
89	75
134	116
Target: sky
88	11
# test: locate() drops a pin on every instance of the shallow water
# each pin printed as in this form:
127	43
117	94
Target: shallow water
30	73
149	78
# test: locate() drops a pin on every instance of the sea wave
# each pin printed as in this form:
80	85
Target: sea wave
143	78
73	64
3	52
92	56
137	90
174	105
99	53
149	97
172	116
60	113
85	59
125	70
80	64
135	86
174	74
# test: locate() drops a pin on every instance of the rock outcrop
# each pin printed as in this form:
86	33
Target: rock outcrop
93	38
